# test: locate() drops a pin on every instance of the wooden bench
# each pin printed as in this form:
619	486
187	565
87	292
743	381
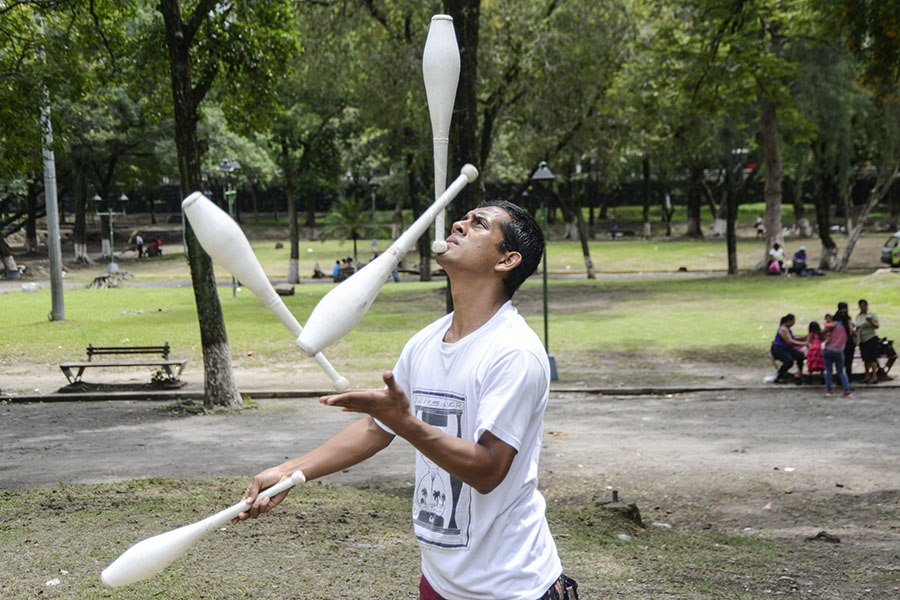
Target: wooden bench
171	367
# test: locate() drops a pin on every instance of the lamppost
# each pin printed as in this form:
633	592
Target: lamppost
228	167
110	215
543	178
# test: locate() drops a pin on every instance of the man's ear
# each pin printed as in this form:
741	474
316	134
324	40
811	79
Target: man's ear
509	262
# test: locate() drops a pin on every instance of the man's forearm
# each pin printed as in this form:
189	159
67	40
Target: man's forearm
482	465
352	445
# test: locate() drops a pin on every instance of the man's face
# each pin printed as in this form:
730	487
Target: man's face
474	240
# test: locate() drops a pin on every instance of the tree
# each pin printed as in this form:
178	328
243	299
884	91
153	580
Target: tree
350	219
246	43
869	28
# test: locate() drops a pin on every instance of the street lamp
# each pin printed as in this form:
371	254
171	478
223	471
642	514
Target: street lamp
228	167
543	178
110	215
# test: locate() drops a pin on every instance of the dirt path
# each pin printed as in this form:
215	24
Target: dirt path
789	461
783	464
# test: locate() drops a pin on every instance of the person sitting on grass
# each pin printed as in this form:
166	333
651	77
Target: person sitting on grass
798	263
786	348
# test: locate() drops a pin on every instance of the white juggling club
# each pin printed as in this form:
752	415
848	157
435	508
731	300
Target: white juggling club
440	68
341	309
224	241
149	557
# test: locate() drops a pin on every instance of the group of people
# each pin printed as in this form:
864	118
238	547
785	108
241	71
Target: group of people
343	269
830	348
154	249
798	264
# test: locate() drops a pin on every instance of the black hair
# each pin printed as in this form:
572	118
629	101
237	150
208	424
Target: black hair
843	317
786	318
815	328
521	234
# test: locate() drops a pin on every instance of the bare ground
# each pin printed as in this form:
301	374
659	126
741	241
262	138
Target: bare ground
780	463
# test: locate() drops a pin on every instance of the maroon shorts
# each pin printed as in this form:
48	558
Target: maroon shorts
562	589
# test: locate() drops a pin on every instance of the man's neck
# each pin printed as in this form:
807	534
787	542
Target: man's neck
473	306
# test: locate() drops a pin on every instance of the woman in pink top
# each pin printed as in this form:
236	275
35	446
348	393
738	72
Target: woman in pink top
836	334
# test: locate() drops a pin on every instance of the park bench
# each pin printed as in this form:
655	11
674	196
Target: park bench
171	367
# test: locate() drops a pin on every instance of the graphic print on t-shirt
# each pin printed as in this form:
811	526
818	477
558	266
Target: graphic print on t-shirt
442	504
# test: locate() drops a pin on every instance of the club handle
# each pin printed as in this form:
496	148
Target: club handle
225	516
280	309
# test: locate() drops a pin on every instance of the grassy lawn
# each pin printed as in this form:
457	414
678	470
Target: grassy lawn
338	542
619	256
728	320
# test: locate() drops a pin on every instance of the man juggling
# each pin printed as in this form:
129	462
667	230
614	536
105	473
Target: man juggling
469	393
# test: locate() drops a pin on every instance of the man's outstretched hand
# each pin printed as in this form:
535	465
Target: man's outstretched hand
390	405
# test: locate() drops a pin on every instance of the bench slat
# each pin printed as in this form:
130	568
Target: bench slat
81	366
125	363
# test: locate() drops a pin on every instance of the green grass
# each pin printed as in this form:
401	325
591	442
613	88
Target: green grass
705	314
593	324
619	256
334	541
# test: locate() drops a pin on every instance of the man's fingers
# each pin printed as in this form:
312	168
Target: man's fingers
390	382
260	506
349	399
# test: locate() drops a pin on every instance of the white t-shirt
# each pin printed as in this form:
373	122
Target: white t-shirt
478	546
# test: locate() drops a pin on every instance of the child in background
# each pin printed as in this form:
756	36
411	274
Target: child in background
814	360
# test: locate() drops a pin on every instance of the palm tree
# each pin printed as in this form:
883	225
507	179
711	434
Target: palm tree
349	218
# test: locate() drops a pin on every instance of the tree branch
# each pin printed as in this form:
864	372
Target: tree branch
112	57
376	14
195	21
204	82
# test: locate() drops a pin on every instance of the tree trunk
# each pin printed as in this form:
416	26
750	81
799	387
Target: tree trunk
576	227
894	208
31	241
219	384
294	232
423	244
882	185
736	186
464	147
79	230
804	229
583	235
253	195
7	262
293	227
731	206
694	202
310	221
774	172
645	165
